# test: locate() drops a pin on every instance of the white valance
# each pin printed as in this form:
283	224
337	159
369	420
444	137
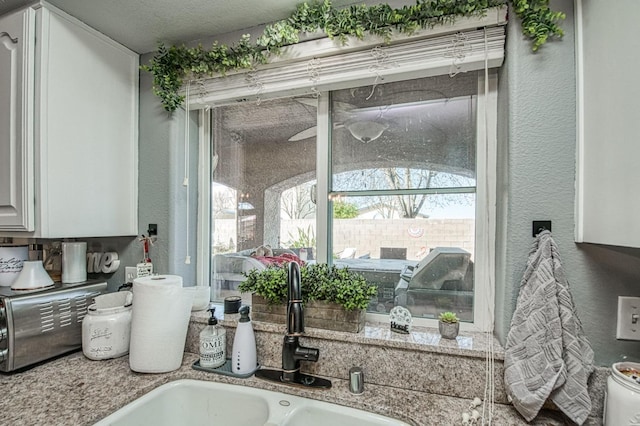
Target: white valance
319	65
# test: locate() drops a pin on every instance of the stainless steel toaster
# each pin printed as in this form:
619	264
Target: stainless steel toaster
38	325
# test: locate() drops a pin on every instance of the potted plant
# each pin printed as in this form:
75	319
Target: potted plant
334	298
448	325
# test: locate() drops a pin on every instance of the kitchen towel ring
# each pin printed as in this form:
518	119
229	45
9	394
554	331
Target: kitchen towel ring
14	40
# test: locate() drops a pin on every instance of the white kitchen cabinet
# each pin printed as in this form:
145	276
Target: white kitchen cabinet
608	166
16	134
77	118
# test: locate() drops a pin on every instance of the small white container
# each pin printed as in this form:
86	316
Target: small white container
622	396
106	329
201	297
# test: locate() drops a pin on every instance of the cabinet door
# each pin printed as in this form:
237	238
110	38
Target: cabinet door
87	131
608	204
16	137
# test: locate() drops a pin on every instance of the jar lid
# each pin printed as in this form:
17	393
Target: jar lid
94	310
627	372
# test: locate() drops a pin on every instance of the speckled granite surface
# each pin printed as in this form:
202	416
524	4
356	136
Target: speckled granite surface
403	379
76	391
420	361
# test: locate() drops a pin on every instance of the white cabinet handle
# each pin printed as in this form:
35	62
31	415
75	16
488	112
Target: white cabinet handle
4	33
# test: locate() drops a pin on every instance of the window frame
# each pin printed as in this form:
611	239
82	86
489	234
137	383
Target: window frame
486	132
485	227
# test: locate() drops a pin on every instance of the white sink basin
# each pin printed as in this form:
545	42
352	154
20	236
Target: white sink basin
193	403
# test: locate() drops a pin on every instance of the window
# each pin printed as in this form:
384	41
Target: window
389	172
403	189
261	188
403	157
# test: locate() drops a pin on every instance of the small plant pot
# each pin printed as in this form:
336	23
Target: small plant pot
449	330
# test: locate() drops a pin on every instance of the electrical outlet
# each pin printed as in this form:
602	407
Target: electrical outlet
130	274
628	318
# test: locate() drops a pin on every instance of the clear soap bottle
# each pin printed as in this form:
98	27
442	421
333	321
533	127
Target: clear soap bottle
213	343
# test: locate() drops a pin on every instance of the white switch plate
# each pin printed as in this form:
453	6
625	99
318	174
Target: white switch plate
628	318
130	274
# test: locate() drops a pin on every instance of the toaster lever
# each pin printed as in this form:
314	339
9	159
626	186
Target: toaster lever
3	354
3	333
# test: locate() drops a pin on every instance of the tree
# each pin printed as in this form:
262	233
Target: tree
296	202
223	199
397	178
409	205
342	210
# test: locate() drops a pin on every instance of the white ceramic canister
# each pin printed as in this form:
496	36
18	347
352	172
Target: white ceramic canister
11	261
622	396
106	329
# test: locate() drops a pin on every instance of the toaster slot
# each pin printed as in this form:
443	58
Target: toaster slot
46	316
64	309
82	302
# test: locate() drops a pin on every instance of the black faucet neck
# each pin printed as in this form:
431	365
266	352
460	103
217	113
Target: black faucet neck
295	312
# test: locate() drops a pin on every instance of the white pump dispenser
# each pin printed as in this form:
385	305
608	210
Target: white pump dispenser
244	359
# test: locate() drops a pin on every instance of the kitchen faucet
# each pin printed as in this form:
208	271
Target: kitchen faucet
292	351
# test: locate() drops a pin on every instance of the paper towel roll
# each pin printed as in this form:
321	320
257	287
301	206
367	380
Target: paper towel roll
159	323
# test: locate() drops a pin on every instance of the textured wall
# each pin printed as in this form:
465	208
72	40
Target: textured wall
162	198
537	145
537	140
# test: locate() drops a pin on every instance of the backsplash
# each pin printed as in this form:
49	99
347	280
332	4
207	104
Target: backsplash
419	361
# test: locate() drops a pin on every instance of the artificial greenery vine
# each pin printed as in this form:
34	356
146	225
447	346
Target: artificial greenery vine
172	65
538	21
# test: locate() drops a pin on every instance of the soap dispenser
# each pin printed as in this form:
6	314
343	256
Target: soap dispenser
244	360
213	343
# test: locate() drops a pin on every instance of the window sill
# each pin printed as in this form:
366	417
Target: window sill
422	339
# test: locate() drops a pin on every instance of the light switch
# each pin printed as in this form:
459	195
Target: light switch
628	318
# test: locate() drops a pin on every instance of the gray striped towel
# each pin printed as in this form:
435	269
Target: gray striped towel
547	354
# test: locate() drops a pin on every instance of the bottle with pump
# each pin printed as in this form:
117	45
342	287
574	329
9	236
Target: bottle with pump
244	360
213	343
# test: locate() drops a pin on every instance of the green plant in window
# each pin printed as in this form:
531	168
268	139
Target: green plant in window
448	317
318	282
172	66
342	210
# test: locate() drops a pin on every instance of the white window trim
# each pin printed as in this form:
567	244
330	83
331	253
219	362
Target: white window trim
416	57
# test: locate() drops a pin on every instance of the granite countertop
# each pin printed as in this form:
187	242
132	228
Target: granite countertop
73	390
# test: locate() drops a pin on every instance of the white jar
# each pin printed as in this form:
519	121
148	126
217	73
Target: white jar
106	331
622	396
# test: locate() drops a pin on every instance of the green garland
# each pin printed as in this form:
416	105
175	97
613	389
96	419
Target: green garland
172	65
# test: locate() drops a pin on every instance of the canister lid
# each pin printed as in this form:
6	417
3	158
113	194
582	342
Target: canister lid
232	304
627	372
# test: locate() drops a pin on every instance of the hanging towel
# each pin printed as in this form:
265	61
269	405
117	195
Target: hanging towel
547	354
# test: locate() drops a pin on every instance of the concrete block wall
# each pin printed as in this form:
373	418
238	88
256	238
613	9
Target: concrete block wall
418	236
